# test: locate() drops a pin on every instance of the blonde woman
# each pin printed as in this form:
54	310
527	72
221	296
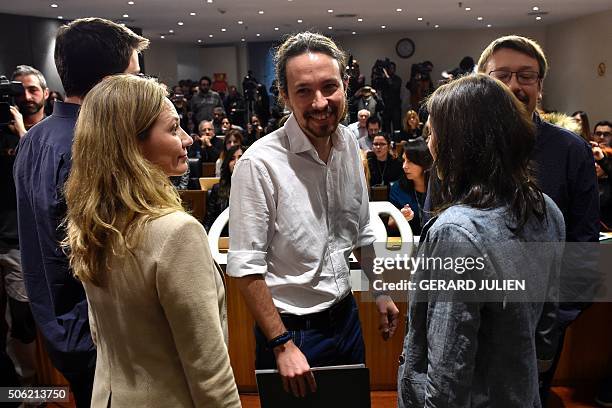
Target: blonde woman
156	297
411	127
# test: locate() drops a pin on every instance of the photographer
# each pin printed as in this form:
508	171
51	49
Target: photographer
391	88
27	113
420	84
367	98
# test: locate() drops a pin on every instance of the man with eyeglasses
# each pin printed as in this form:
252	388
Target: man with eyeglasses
602	133
564	168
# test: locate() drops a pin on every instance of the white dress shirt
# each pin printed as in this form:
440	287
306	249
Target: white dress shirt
296	220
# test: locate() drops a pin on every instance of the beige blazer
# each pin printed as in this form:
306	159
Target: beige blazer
159	323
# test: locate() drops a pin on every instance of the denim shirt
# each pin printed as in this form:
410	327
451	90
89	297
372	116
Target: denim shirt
480	354
58	300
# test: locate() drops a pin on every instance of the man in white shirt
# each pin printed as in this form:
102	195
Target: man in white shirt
298	208
359	128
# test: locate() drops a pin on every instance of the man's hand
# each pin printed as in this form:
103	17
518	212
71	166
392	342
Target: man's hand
16	126
388	316
206	141
294	370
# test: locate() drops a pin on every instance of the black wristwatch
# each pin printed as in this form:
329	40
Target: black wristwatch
279	340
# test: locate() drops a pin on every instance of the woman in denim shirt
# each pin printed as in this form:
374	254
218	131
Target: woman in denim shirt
466	346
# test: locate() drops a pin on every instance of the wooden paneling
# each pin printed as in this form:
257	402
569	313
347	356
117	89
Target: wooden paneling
194	201
208	169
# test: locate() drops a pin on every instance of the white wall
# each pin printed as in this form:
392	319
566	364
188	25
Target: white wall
161	61
574	50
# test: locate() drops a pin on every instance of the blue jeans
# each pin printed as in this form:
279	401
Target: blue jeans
332	337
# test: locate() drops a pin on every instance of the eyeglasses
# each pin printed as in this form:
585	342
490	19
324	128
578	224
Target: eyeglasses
522	77
379	144
603	134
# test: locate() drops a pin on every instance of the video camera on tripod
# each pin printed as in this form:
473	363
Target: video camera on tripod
8	91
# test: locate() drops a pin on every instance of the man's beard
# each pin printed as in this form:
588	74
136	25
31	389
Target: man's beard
30	108
327	130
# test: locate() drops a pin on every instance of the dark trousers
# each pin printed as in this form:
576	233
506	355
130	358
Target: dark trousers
81	385
331	337
392	116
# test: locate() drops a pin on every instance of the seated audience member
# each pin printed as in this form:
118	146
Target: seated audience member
411	127
373	126
384	169
583	120
227	125
603	169
156	297
602	133
254	130
232	138
207	146
219	194
218	115
359	128
181	105
481	350
408	193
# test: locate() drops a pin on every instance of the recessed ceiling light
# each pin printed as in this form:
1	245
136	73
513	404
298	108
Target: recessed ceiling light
162	36
383	26
359	20
210	35
242	39
192	14
258	35
54	5
330	28
468	9
479	18
420	18
180	23
260	11
223	30
125	16
299	21
398	10
170	31
240	22
200	41
60	17
330	11
535	8
209	1
275	28
354	32
131	3
437	26
489	25
538	18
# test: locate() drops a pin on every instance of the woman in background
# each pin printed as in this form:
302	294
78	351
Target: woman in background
218	200
478	348
156	298
232	138
585	128
412	127
408	193
384	169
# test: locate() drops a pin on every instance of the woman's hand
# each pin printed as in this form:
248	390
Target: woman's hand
407	212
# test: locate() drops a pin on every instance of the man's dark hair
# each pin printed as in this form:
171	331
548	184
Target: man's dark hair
373	119
483	139
302	43
89	49
602	123
205	78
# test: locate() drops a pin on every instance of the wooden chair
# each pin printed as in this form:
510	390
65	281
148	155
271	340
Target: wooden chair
206	183
194	201
379	193
208	169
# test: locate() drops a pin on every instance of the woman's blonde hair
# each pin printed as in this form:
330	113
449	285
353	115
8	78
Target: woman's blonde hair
409	114
113	190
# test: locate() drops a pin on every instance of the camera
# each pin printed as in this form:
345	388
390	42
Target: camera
378	73
8	91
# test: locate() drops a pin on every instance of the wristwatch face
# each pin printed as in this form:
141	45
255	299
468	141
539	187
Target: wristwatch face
404	48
